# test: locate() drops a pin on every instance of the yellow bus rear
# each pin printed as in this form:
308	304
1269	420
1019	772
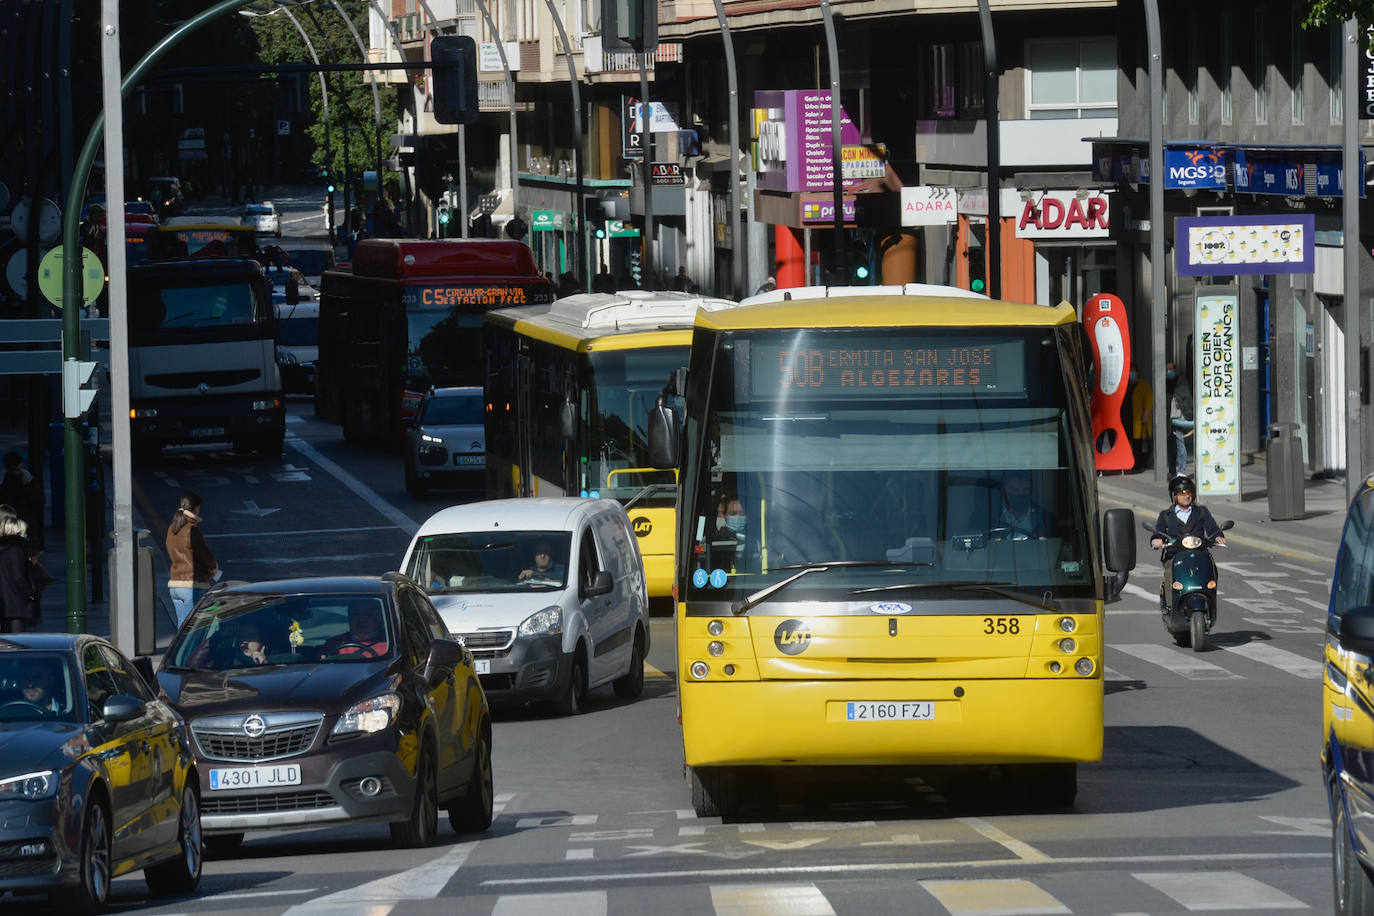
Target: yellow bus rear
890	550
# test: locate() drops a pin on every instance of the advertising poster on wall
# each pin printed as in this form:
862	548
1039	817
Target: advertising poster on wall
1216	391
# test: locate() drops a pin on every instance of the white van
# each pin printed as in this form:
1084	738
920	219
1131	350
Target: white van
298	345
548	594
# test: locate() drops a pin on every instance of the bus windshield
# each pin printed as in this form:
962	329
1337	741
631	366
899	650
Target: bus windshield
443	344
915	462
156	306
619	391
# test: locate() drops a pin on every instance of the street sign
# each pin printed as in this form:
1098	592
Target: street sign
861	162
667	173
1367	94
50	276
283	128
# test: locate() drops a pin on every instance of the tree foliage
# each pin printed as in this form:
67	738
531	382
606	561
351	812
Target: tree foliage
1334	12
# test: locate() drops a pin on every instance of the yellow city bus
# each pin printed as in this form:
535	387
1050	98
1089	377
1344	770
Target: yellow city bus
889	546
569	387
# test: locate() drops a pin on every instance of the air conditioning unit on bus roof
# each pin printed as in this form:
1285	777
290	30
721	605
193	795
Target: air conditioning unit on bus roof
399	259
633	309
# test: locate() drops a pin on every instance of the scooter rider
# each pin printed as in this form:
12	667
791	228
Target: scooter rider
1182	518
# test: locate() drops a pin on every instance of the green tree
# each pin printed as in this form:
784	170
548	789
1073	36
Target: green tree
1333	12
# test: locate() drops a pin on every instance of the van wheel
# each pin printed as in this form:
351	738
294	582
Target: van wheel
575	693
715	791
631	683
1354	892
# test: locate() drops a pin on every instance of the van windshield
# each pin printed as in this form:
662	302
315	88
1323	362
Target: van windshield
491	561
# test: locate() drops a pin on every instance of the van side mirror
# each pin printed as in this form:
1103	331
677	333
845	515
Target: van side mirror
663	435
567	420
1118	540
601	584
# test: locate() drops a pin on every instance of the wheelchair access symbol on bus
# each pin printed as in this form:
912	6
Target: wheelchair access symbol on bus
699	578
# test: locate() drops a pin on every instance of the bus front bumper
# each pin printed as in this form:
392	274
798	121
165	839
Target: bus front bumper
781	723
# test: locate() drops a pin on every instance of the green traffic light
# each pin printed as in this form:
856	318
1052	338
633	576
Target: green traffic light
329	188
861	272
977	286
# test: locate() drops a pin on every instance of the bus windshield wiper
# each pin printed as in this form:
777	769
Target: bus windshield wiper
803	569
992	588
650	488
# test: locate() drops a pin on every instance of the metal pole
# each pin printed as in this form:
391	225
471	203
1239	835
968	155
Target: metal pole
1159	295
376	97
737	242
324	102
463	179
122	611
577	145
646	111
994	138
75	522
510	91
1352	177
836	143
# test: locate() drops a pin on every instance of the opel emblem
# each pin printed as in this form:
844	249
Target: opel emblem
253	726
203	388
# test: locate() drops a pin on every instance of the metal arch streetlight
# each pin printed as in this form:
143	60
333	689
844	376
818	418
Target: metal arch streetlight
577	145
732	81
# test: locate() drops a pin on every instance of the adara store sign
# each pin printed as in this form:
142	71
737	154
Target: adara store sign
1058	214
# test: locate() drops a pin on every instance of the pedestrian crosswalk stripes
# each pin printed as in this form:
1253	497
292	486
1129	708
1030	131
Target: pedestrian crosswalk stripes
1184	664
767	899
1309	668
1002	897
576	903
1220	891
1214	665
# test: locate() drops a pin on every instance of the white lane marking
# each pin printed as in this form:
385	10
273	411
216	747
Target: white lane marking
500	801
572	820
577	903
1220	891
309	532
573	854
880	868
828	826
1141	592
1302	569
1184	665
769	899
1019	848
1298	826
1291	662
752	828
994	897
1112	674
251	895
423	882
294	418
366	493
692	830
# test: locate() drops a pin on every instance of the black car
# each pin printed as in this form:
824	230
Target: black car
331	699
97	777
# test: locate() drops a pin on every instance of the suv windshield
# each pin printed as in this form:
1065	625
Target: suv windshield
36	685
506	561
249	631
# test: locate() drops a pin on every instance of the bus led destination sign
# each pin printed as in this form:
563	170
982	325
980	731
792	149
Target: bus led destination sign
487	295
876	367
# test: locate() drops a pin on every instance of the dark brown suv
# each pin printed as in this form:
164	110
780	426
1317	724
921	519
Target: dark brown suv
332	699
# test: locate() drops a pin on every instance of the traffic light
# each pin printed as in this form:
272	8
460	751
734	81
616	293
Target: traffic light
327	179
629	25
977	259
453	59
594	213
444	214
860	259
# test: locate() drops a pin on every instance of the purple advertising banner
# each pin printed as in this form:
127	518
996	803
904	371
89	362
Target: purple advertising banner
795	152
1227	245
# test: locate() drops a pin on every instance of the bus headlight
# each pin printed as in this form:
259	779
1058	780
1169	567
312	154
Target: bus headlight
1067	645
716	648
700	670
715	628
1083	666
1068	624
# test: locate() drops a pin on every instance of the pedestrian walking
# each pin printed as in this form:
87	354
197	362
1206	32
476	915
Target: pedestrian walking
24	492
22	579
193	566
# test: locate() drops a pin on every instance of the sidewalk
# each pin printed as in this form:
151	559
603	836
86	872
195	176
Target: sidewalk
1314	537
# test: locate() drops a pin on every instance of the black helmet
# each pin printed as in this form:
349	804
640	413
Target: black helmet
1182	484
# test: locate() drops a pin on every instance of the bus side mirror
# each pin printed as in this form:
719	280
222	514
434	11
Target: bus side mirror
663	444
1118	538
567	420
1357	630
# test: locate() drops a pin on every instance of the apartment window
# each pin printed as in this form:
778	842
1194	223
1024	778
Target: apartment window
940	81
1194	102
1261	68
507	19
529	20
972	81
1071	78
1298	67
1224	68
1337	74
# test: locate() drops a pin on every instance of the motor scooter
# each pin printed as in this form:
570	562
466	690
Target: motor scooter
1191	611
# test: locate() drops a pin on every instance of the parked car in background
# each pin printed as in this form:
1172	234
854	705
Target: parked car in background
166	195
549	594
298	344
445	444
312	701
97	776
312	259
263	217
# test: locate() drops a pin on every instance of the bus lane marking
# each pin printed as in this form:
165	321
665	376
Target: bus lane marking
1018	848
577	903
762	899
360	489
1000	896
376	898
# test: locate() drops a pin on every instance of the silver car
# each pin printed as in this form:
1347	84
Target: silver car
263	218
446	443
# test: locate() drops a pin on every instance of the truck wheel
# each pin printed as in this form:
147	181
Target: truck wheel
273	446
715	791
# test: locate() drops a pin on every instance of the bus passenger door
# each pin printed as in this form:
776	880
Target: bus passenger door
524	405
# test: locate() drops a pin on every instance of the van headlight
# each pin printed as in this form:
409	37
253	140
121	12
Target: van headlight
548	622
371	715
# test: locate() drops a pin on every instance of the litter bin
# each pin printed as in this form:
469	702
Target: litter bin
145	596
1284	472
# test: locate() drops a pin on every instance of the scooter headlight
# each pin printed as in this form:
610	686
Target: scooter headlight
1191	542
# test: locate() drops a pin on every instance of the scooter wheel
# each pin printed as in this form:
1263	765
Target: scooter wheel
1198	630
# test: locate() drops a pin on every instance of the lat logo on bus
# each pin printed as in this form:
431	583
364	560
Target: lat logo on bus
792	637
642	526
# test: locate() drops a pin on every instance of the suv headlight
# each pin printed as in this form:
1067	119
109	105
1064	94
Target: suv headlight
548	622
426	437
371	715
30	786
